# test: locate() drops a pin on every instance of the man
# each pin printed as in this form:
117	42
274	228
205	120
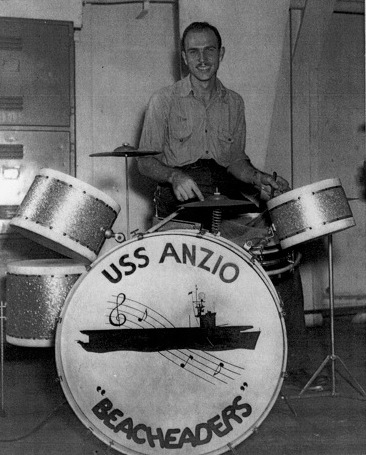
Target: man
199	126
199	119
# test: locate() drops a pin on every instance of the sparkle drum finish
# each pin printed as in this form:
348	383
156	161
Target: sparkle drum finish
66	215
310	212
36	292
172	342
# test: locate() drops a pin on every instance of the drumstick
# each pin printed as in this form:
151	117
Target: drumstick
164	221
274	175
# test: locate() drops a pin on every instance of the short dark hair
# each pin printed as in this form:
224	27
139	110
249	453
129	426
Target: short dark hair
199	26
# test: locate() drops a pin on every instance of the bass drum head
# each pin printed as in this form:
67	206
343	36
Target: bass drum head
172	341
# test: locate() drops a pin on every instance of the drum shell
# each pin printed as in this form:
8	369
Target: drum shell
36	291
310	212
276	261
66	215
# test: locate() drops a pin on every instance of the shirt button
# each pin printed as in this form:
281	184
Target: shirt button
206	152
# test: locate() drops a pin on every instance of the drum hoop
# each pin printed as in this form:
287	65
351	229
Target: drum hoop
324	223
45	267
83	186
320	232
189	233
299	197
293	195
289	267
64	242
29	342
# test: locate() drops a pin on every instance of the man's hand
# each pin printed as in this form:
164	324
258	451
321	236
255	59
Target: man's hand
184	187
272	186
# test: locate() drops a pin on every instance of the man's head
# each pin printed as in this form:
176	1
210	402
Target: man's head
202	50
199	27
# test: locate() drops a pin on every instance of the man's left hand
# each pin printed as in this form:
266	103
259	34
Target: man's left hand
272	186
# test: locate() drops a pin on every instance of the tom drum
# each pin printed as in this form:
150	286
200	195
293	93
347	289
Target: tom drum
310	212
66	215
276	261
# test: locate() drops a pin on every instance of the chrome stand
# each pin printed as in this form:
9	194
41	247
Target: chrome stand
332	357
2	318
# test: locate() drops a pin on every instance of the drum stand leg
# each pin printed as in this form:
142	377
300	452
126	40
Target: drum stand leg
332	357
284	398
2	306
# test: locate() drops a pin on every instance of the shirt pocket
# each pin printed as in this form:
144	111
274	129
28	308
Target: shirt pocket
180	128
226	141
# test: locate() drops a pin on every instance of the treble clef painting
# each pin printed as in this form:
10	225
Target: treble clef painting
116	316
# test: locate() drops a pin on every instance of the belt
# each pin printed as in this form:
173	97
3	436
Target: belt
202	163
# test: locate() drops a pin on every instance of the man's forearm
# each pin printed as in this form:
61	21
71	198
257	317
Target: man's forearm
246	172
154	169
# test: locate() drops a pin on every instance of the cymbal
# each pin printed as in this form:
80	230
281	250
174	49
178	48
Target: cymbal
216	202
127	151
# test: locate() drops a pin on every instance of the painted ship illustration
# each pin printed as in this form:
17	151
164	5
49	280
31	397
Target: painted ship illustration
206	337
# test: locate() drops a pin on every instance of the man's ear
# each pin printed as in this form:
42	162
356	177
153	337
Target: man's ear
184	57
222	53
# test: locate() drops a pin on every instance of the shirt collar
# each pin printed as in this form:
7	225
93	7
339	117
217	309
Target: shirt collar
184	87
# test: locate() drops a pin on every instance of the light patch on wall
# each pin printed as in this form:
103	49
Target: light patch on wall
10	172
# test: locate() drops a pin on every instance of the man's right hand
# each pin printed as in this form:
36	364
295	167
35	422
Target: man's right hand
184	187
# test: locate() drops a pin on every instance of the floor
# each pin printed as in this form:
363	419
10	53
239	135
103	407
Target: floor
37	419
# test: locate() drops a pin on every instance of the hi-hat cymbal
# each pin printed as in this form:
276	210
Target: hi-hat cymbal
127	151
216	202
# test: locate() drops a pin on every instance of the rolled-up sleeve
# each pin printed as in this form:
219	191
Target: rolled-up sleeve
155	124
237	152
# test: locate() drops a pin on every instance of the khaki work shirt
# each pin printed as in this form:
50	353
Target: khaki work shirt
186	130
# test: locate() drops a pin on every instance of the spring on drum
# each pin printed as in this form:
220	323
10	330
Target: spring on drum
216	221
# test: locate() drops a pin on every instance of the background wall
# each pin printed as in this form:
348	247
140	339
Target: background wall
66	10
121	60
253	34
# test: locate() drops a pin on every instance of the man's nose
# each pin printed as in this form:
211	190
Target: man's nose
202	56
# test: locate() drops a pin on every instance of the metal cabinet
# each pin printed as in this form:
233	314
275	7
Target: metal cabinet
36	104
36	61
37	119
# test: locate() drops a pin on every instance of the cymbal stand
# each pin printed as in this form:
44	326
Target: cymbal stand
332	357
127	198
2	318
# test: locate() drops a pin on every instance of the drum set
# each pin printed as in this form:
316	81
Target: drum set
173	339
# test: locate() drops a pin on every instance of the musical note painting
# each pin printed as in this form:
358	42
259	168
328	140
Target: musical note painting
158	334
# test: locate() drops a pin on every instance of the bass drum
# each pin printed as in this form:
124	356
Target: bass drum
174	340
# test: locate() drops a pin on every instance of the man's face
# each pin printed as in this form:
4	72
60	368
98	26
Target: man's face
202	55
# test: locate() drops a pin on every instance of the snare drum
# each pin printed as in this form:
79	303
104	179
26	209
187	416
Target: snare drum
309	212
66	215
172	341
275	260
36	292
